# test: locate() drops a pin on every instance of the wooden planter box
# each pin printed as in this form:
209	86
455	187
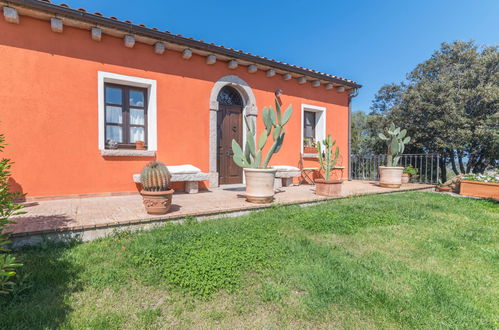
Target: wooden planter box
480	189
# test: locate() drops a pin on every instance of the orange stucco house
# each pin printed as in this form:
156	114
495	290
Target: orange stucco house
78	90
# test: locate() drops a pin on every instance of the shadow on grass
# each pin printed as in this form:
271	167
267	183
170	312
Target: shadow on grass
43	286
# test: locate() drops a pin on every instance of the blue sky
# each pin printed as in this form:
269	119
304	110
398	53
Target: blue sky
371	42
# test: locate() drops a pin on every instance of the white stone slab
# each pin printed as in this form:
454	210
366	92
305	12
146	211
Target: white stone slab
127	153
288	174
183	169
181	177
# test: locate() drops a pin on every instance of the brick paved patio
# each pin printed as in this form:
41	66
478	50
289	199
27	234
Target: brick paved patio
83	214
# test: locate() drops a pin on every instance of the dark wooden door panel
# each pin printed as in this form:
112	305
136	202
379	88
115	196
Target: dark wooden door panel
229	124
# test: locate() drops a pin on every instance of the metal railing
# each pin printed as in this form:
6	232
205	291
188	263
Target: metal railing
366	167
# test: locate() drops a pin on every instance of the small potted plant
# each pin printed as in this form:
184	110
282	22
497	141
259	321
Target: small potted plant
409	172
259	176
390	176
155	180
442	187
140	145
310	146
327	186
111	144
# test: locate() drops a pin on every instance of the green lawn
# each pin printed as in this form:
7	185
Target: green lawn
407	260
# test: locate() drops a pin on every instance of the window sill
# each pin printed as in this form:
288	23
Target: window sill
127	153
307	155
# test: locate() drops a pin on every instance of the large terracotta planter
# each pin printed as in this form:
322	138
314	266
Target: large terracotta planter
405	178
157	202
330	188
390	177
259	185
480	189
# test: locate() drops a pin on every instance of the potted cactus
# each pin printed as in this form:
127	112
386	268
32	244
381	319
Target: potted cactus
390	176
328	186
155	180
259	176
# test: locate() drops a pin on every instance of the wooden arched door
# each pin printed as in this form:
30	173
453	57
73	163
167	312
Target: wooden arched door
229	126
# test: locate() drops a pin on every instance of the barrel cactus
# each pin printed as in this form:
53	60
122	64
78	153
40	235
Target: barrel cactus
274	122
395	141
327	160
155	177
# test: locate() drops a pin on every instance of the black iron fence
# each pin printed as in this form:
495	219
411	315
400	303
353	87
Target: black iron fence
366	167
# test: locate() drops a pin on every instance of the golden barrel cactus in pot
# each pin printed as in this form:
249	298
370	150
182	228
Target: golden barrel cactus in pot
156	192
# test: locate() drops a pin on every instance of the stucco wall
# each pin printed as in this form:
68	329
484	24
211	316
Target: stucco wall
48	106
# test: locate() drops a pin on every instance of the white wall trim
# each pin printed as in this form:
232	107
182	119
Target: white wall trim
320	122
107	77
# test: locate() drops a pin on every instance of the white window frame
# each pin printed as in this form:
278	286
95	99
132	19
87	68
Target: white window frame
150	85
320	122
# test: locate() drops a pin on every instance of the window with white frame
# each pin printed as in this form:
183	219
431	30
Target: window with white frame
313	124
127	111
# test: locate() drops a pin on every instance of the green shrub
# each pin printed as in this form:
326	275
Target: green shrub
7	209
411	170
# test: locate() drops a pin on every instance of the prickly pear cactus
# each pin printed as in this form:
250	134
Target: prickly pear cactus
328	161
395	141
155	177
274	122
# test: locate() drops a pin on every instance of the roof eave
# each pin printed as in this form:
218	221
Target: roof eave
183	41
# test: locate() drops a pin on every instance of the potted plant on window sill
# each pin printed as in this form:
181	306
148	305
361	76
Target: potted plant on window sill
310	146
259	176
327	186
390	176
155	180
140	145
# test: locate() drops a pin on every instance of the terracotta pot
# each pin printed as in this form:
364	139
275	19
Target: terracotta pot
405	178
331	188
390	177
309	150
157	202
259	185
139	145
480	189
443	188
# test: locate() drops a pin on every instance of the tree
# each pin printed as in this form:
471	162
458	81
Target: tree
359	133
450	105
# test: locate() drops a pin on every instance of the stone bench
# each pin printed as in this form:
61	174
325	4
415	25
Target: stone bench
189	174
285	174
